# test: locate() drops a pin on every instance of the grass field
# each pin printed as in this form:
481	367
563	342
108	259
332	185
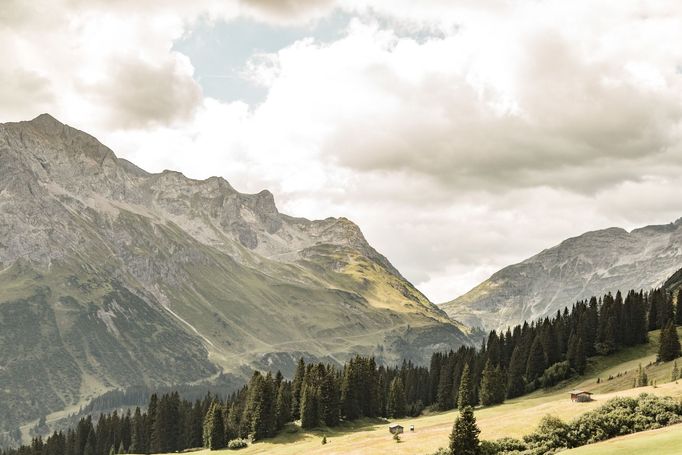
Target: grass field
514	418
664	441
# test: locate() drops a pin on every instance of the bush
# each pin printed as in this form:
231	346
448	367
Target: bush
552	434
617	417
555	374
237	444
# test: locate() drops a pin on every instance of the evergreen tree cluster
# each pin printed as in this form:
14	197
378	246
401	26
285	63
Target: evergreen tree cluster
509	364
542	353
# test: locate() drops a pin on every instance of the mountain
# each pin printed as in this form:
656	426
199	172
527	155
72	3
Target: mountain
111	276
578	268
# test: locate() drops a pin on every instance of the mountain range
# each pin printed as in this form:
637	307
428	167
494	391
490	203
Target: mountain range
580	267
111	276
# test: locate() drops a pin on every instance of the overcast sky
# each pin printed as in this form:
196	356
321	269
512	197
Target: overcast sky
461	136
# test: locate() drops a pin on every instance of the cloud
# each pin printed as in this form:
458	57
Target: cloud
552	114
461	136
140	94
25	91
289	11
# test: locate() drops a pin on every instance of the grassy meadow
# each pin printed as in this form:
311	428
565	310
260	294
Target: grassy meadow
514	418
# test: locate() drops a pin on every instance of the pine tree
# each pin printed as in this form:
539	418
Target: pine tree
259	412
329	400
492	385
576	354
283	405
395	406
444	397
214	428
149	423
517	365
309	416
464	436
350	388
465	397
90	444
678	308
536	361
669	347
296	386
580	361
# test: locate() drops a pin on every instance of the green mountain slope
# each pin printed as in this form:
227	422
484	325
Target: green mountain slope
111	276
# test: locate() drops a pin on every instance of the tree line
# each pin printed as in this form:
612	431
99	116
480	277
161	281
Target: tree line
507	365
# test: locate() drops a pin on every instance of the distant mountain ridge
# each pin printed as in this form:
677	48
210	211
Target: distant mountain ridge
590	264
111	276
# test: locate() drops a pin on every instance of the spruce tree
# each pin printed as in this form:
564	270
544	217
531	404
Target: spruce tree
669	347
259	406
283	405
492	385
444	397
536	361
350	388
465	397
296	386
395	406
464	436
329	400
517	365
309	416
214	428
678	308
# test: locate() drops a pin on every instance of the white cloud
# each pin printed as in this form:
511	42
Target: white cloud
460	137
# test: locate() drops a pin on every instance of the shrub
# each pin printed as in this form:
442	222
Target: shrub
555	374
552	433
237	444
502	446
617	417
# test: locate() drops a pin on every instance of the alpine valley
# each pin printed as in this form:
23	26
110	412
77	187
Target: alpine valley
576	269
113	277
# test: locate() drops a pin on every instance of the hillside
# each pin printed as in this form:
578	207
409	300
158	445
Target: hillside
664	441
514	418
576	269
111	276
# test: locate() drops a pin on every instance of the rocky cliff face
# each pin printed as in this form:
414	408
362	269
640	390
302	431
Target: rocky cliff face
590	264
111	276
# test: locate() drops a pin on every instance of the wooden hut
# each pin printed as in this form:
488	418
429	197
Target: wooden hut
395	428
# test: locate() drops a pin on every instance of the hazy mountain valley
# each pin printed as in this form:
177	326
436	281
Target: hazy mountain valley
575	269
112	277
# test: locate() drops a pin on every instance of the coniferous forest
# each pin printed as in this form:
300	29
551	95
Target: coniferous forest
508	365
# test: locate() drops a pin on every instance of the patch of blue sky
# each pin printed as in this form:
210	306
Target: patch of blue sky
219	51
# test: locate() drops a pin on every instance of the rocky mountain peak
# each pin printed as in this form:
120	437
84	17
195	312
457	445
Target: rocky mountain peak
590	264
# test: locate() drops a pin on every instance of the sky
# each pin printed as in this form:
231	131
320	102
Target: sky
462	136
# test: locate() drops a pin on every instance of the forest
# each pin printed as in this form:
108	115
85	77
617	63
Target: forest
529	356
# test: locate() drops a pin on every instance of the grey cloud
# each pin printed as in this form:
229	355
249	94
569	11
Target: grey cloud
574	115
24	94
290	11
140	94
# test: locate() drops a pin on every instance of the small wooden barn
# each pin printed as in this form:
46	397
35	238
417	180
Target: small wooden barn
395	428
580	396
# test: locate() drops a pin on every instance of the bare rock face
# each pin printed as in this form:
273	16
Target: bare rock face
591	264
175	278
